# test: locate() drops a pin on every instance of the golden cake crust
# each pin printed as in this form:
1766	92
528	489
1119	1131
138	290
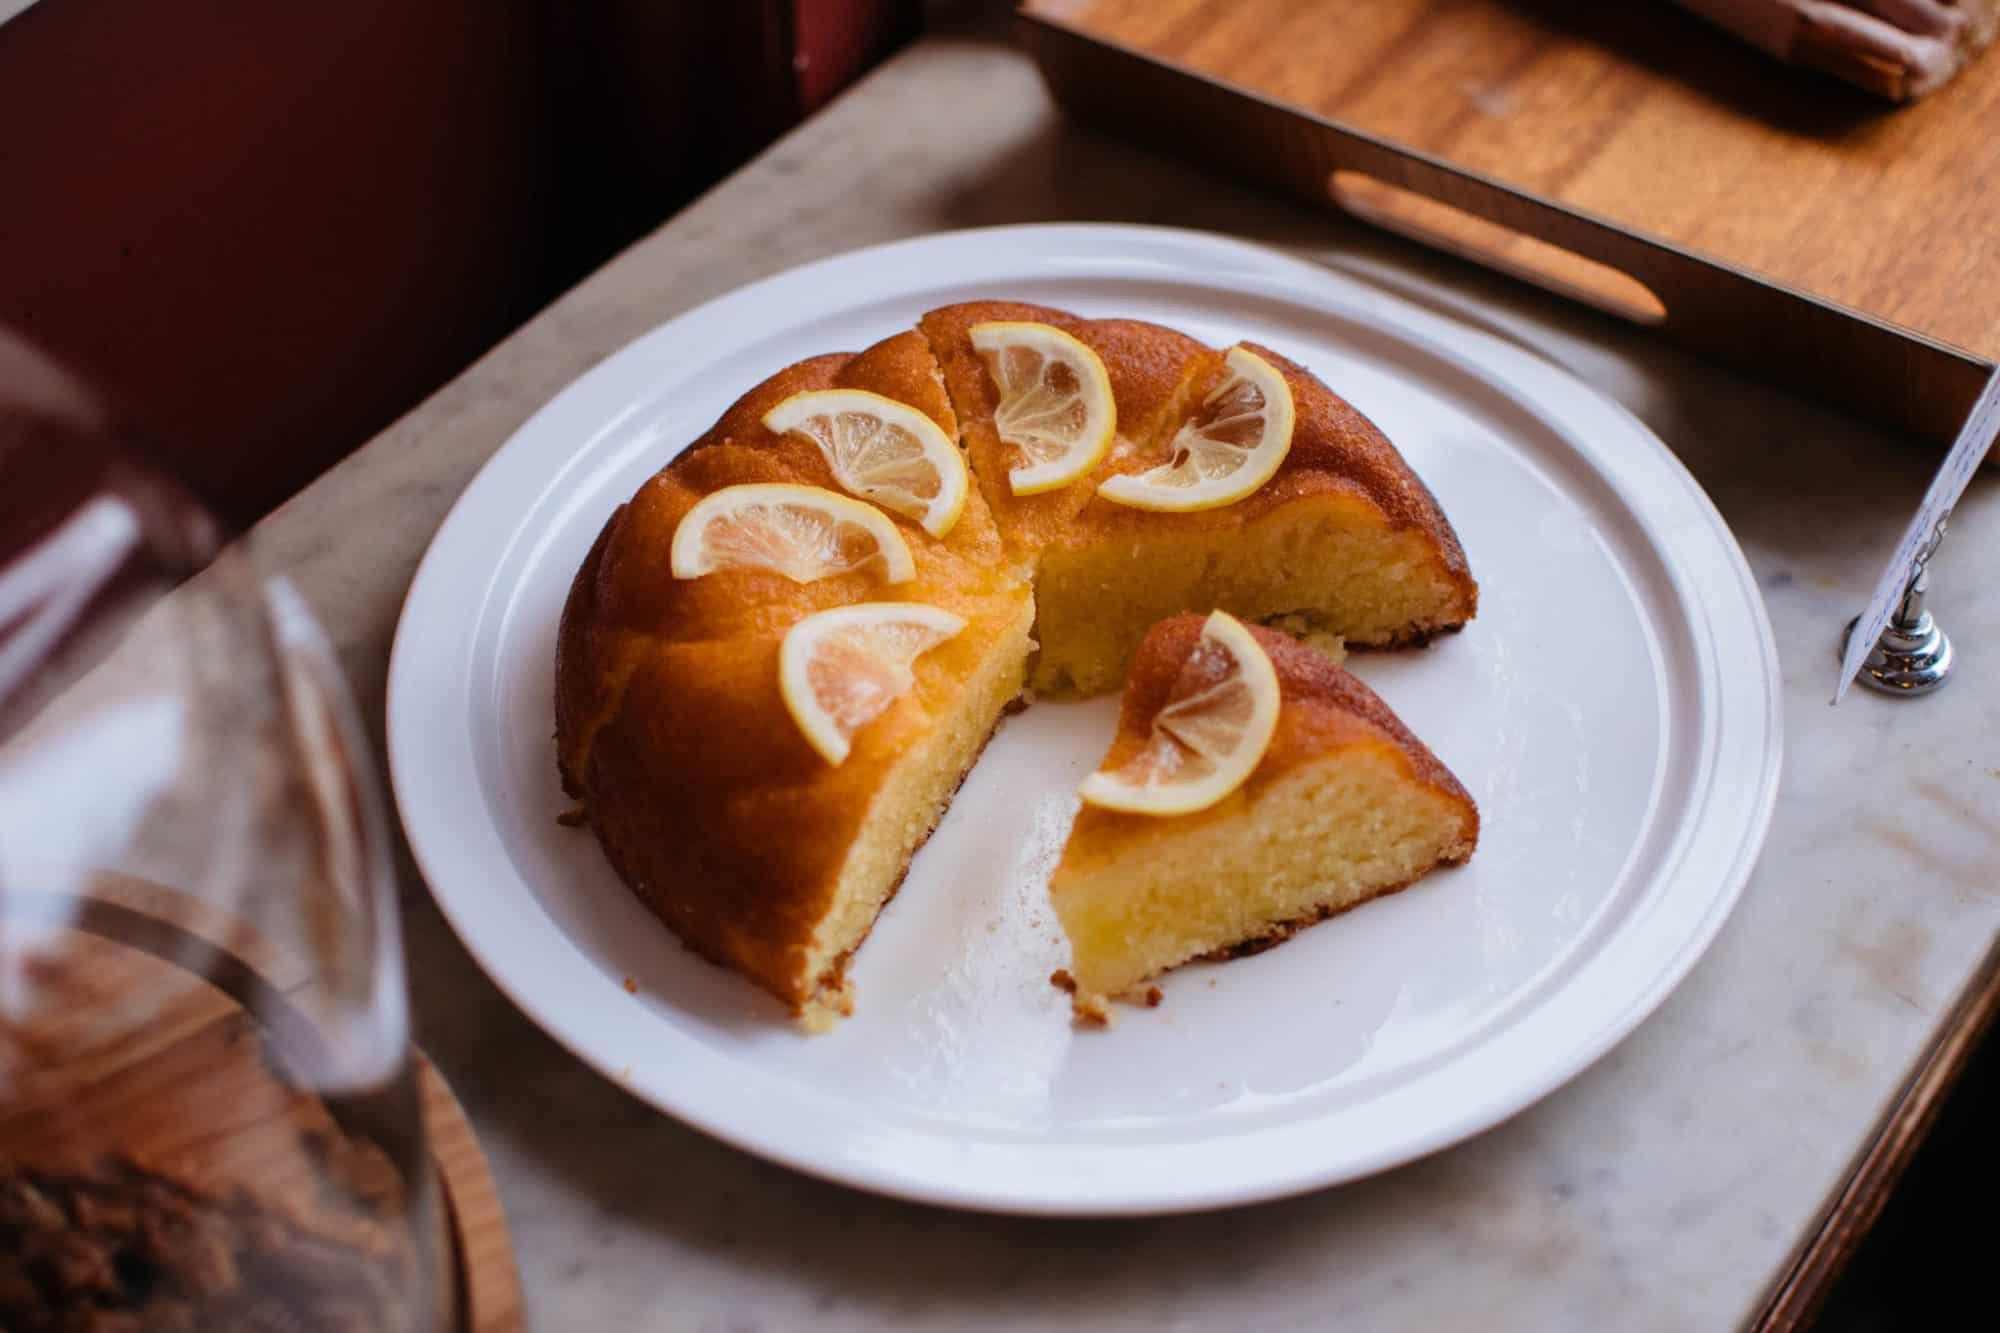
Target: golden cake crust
624	601
1343	501
1337	456
670	725
1324	708
1327	716
1148	364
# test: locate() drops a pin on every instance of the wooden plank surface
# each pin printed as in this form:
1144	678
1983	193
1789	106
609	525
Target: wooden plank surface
1642	114
489	1285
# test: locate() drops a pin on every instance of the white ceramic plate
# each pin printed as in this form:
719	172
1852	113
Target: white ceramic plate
1625	778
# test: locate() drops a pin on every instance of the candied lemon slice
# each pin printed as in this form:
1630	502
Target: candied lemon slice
881	450
805	533
840	669
1209	737
1231	446
1055	402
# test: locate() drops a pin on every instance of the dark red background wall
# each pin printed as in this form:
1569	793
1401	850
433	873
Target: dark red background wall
261	229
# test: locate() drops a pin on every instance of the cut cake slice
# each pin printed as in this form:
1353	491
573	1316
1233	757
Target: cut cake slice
1345	805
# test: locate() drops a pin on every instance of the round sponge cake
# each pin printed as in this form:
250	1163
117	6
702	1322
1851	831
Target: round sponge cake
673	735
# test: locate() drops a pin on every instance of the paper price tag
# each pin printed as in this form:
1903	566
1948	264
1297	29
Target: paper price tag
1967	451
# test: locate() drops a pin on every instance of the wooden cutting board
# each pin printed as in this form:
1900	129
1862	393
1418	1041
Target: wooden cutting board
1768	217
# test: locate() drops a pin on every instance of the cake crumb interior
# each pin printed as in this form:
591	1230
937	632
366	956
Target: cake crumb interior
902	814
1137	899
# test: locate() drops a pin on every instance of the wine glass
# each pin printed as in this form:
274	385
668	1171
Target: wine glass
209	1115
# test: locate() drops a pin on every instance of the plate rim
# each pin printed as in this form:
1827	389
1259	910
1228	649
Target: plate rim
1079	251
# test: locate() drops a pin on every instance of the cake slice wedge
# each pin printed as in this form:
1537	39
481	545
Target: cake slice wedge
1344	805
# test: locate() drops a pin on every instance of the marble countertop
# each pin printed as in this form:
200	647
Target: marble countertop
1666	1188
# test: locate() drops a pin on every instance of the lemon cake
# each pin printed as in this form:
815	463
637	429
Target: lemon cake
1253	788
1145	367
782	655
672	722
1234	481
